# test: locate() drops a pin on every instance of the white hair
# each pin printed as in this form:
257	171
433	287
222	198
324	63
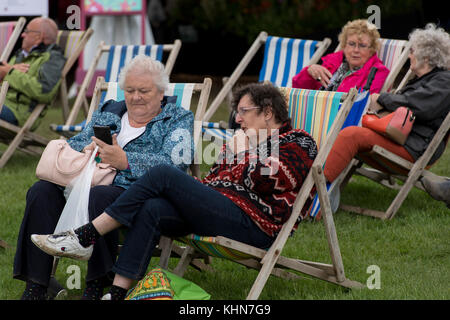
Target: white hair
431	45
145	64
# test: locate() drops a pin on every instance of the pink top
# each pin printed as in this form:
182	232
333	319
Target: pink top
358	78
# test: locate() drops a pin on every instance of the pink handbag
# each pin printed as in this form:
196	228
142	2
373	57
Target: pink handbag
395	126
60	164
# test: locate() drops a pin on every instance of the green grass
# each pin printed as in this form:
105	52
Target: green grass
412	251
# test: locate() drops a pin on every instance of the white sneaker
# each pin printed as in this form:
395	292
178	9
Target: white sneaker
107	296
64	244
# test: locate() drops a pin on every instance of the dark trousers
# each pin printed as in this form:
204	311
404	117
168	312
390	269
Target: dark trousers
167	201
44	204
7	115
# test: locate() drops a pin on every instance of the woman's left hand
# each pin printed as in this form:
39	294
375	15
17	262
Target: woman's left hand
112	154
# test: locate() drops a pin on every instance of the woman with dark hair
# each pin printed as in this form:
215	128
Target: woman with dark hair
247	195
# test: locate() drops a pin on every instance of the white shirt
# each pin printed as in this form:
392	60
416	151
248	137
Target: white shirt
127	132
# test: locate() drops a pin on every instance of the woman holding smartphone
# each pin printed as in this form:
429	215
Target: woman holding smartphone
142	128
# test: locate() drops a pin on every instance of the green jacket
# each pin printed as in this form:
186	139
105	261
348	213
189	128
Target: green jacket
38	85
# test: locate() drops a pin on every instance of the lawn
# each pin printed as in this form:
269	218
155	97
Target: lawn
411	252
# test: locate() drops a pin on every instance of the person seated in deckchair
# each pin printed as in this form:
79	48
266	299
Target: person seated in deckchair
33	72
145	128
428	97
247	195
350	66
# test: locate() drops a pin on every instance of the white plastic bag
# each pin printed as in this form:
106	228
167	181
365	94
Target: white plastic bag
76	211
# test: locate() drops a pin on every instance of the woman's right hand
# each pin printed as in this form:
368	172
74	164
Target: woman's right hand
320	73
239	142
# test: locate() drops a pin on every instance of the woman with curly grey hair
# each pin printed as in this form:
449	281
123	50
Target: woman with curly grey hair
427	95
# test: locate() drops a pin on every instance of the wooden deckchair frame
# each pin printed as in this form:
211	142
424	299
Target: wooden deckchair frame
81	99
414	171
13	39
271	262
21	137
69	64
231	81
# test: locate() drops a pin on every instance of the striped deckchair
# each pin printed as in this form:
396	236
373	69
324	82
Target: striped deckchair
184	93
354	117
118	56
283	59
9	33
72	42
21	137
328	111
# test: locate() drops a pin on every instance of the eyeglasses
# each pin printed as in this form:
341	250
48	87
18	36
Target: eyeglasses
28	31
241	111
361	46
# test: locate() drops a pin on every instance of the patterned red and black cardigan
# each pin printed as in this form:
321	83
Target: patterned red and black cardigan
267	198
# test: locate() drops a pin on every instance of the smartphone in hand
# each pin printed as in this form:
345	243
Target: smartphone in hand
103	133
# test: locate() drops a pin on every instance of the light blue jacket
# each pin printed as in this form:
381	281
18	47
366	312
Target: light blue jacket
169	133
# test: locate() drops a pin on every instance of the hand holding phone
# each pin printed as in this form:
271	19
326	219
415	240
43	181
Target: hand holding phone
103	133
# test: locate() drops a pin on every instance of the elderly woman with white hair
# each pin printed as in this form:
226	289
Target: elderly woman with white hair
427	95
143	128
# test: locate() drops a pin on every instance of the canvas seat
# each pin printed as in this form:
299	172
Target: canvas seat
118	56
323	117
283	59
22	137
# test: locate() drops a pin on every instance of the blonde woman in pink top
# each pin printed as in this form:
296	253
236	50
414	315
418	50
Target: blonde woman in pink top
350	66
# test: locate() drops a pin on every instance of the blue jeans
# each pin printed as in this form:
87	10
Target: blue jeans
8	116
166	201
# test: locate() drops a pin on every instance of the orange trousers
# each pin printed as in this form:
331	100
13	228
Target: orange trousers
353	140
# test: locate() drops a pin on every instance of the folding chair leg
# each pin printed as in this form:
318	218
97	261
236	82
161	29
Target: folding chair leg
262	277
185	260
330	228
166	248
21	134
64	98
402	194
55	289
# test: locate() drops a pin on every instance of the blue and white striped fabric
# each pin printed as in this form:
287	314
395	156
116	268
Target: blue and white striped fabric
358	109
212	129
183	91
120	55
284	58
